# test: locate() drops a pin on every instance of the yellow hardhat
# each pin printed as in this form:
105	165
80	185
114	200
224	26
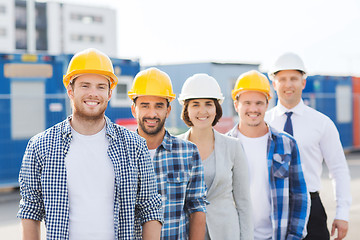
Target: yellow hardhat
251	81
152	82
90	61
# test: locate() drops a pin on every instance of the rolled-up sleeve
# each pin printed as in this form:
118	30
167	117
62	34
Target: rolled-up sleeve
196	191
31	203
148	204
298	199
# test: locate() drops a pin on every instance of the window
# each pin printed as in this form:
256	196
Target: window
343	104
2	32
2	9
21	40
27	109
86	19
120	93
41	40
20	16
87	38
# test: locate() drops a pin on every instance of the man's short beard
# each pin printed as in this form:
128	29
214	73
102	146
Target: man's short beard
79	113
253	124
153	131
87	117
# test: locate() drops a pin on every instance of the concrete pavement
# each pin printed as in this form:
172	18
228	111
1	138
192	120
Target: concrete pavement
327	197
9	201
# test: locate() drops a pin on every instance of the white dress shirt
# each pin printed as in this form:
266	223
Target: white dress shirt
318	140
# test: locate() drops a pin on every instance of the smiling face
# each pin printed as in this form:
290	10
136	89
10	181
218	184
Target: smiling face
289	85
89	95
251	107
150	113
201	112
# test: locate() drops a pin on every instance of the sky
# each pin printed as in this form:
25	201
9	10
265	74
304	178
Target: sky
325	33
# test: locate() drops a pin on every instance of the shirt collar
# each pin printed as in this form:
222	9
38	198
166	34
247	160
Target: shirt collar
272	132
66	128
167	141
298	109
110	130
235	132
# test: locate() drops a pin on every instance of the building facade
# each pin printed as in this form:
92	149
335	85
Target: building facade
59	27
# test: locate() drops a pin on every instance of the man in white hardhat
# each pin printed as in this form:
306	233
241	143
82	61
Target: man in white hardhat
318	141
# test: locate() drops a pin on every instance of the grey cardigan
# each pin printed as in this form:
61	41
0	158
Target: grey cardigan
229	214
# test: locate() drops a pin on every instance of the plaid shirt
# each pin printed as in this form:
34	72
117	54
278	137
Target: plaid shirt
43	184
180	178
288	193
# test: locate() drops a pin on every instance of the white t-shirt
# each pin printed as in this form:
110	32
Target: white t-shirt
90	180
152	153
209	169
256	155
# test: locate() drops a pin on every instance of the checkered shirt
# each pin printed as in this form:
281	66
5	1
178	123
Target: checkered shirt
288	193
180	178
44	190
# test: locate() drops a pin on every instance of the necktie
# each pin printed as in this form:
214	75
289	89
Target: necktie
288	124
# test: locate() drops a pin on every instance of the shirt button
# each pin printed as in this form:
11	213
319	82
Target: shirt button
178	178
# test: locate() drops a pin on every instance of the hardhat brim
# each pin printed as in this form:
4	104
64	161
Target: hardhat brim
114	79
272	74
239	91
133	96
183	99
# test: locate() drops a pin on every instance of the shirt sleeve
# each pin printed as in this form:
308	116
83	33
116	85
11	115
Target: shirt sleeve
148	205
299	204
31	203
241	192
196	191
335	160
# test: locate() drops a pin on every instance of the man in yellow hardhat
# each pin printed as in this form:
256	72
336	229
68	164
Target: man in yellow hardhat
319	143
177	162
277	185
86	176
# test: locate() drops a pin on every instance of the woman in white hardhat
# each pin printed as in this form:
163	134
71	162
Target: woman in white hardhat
225	166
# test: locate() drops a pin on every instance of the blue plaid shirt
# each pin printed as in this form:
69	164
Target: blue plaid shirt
180	178
288	193
43	186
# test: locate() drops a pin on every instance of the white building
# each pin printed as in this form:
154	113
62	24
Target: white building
59	27
7	25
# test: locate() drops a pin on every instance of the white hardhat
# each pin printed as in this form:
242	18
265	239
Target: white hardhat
287	61
200	85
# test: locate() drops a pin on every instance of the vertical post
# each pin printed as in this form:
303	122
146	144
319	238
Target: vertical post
30	26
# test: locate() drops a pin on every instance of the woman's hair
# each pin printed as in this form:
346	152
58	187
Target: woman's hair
185	113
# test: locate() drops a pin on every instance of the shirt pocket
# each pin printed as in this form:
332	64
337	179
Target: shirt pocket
176	186
281	165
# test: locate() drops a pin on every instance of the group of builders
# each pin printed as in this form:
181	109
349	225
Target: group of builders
90	178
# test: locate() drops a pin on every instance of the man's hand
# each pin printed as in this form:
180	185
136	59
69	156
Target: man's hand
342	228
